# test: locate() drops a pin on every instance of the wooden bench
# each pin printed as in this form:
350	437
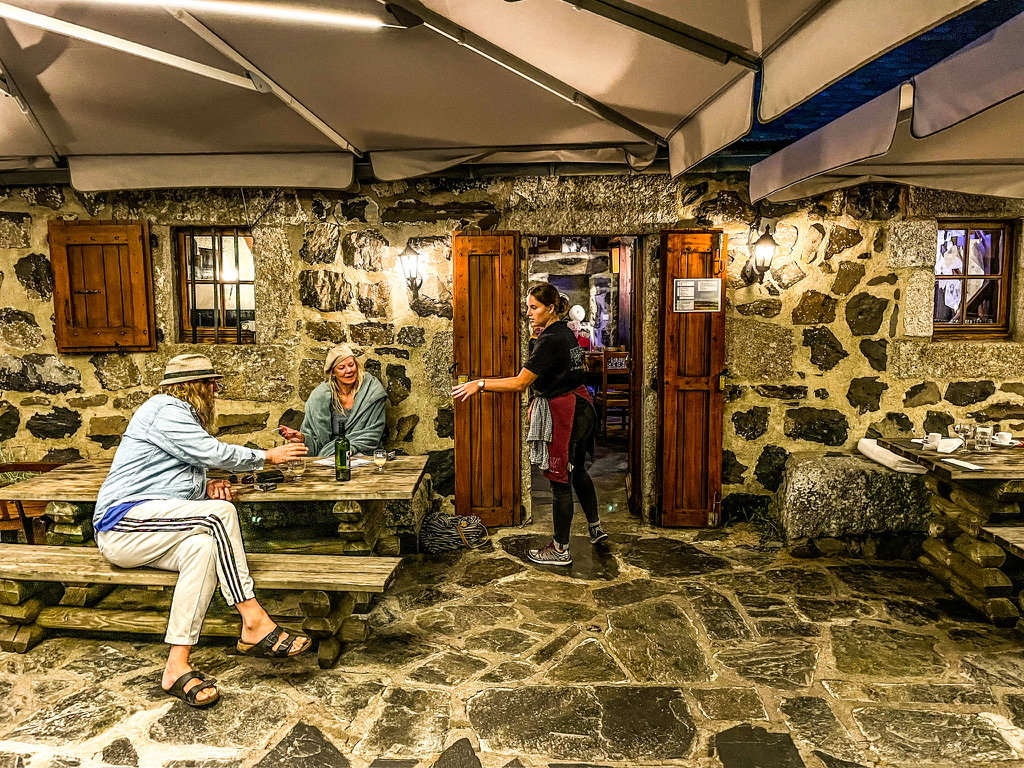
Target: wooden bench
43	588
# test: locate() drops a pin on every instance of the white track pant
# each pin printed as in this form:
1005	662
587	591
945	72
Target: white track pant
199	539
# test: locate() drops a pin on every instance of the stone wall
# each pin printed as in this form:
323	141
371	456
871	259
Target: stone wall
833	346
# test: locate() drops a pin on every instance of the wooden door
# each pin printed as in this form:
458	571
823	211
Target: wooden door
691	363
102	286
485	277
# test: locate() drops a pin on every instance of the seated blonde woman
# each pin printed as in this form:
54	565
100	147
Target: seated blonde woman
349	400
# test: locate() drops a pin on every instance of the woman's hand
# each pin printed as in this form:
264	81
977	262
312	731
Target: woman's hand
219	489
281	453
465	391
291	435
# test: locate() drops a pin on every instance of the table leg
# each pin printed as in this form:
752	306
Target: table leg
26	524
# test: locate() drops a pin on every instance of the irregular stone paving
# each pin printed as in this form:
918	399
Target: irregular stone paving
665	648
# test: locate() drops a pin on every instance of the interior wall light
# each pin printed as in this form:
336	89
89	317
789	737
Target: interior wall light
762	251
409	261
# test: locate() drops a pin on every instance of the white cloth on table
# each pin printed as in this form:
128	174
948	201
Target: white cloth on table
870	448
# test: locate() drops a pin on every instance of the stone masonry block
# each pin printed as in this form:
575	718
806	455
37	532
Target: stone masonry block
912	243
919	303
826	494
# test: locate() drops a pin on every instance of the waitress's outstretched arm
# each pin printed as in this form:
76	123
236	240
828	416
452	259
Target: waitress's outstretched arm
519	383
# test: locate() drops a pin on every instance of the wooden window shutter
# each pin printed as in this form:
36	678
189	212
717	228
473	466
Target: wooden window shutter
102	286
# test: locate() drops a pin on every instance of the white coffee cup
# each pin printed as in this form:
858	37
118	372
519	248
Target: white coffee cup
1003	438
931	440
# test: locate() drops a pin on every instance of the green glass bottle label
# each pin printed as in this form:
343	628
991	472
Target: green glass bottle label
342	471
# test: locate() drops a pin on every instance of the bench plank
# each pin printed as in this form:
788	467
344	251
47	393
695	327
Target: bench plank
302	572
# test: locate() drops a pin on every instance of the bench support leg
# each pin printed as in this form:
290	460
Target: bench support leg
328	617
15	638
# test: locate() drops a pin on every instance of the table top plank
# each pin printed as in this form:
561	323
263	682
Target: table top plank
80	481
1001	463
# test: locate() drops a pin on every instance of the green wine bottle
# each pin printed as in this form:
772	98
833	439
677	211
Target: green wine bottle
342	471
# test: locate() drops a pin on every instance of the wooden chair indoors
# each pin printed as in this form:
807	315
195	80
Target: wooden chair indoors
614	392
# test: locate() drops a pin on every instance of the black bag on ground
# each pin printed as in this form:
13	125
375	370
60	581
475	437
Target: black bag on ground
442	532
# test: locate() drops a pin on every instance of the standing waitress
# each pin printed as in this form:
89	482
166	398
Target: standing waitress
562	418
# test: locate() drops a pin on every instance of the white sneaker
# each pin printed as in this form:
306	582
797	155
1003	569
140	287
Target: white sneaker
550	555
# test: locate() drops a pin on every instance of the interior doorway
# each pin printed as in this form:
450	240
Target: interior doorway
597	274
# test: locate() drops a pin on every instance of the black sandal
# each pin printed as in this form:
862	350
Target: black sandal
178	690
265	647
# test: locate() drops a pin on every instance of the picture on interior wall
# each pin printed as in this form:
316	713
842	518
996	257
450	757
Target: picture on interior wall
575	245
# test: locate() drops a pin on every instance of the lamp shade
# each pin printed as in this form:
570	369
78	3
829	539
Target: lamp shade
764	251
409	261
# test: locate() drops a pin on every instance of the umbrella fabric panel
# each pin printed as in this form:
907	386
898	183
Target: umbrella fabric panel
293	170
984	74
842	37
410	88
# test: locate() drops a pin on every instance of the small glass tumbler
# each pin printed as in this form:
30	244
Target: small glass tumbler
982	438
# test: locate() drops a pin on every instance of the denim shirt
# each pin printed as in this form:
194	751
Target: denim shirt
164	455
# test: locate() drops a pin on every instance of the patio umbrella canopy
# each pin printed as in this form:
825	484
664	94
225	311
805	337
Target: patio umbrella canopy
955	126
222	93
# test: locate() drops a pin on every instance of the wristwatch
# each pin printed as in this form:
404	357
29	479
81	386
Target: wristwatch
480	384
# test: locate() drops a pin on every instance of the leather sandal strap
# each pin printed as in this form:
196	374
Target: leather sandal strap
190	695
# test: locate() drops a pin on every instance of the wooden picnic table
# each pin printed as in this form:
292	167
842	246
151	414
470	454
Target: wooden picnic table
1001	463
358	503
80	481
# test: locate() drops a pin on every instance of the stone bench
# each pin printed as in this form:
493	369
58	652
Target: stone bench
834	503
44	588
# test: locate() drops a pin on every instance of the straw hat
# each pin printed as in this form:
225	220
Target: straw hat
336	355
188	368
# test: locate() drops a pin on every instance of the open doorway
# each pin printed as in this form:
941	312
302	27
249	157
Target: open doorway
597	275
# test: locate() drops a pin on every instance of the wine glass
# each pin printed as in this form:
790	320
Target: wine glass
296	467
965	432
380	458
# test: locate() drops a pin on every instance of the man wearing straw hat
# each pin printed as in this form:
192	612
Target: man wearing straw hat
157	508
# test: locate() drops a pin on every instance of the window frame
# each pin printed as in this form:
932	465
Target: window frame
988	331
222	333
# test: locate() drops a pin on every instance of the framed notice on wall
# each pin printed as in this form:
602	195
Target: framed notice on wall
696	295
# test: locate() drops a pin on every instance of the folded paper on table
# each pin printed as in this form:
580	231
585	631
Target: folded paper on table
948	445
887	458
945	445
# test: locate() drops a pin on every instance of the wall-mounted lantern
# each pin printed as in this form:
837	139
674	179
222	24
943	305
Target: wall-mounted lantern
762	251
409	261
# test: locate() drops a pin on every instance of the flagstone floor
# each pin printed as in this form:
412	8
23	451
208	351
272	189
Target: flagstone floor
683	648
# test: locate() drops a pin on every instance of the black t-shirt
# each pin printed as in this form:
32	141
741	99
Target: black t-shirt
557	359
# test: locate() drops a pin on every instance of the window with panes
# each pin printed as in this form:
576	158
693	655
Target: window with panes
972	280
218	297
